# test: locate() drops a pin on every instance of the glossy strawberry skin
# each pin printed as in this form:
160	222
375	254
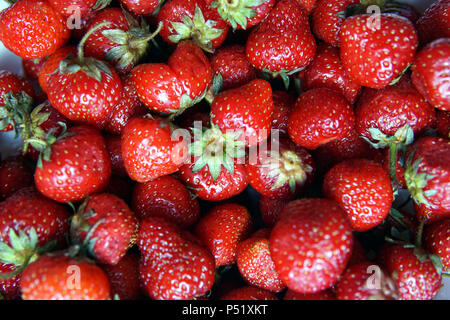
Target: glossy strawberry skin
79	165
52	64
437	241
15	174
66	7
443	123
434	23
114	146
221	230
283	103
308	256
270	209
46	279
32	67
375	57
9	288
249	293
168	198
141	7
32	29
319	116
148	150
322	295
429	75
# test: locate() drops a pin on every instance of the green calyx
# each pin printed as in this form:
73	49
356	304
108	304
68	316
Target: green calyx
201	31
237	12
424	256
403	137
283	74
216	149
101	4
15	111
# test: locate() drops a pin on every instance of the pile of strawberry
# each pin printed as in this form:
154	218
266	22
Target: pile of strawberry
226	149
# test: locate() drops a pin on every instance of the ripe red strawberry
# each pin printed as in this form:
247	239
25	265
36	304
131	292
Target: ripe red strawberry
319	116
326	23
174	265
60	277
283	43
74	166
221	230
434	23
282	171
15	174
177	85
141	7
249	293
242	14
322	295
67	8
255	263
326	70
363	189
375	55
111	225
443	123
246	110
124	277
413	272
308	5
32	67
129	106
365	281
430	73
149	151
9	288
437	241
429	215
52	64
32	29
114	147
192	19
399	170
168	198
358	253
283	103
427	173
311	244
232	64
270	209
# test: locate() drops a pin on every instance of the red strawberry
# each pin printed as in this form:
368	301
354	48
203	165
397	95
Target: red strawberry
322	295
192	19
15	174
32	29
430	73
232	64
255	263
249	293
174	265
141	7
427	173
319	116
270	209
283	103
114	146
149	151
437	241
375	55
429	215
326	70
358	253
282	44
168	198
311	244
177	85
67	8
111	226
308	5
282	171
434	23
52	64
124	277
399	170
9	288
365	281
74	166
60	277
221	230
32	67
443	123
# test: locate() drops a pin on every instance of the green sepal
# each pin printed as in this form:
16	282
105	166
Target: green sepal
237	12
15	111
403	137
101	4
283	74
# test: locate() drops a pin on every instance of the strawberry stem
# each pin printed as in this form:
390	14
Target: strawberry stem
80	48
393	151
420	233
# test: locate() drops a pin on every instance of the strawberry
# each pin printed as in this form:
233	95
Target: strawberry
9	288
114	147
149	151
85	89
249	293
270	209
429	215
356	283
242	14
326	70
282	171
319	116
141	7
282	44
48	277
255	263
375	55
326	21
429	73
177	85
174	265
412	271
32	67
168	198
32	29
358	253
283	103
434	23
437	241
311	244
221	230
427	173
75	165
322	295
192	19
399	170
308	5
15	174
124	277
84	8
232	64
443	123
110	225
